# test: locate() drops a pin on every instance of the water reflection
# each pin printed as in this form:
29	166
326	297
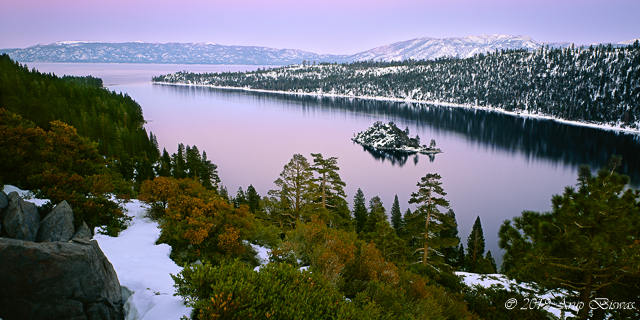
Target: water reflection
395	157
535	138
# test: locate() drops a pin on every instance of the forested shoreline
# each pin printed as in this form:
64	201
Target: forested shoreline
599	85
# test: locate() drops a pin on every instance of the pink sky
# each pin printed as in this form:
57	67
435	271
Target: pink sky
331	26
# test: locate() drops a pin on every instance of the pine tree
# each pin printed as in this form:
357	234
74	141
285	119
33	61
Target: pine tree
461	263
427	221
164	167
330	185
587	245
178	163
475	246
209	173
492	261
377	214
329	192
396	215
253	199
451	253
240	198
359	210
295	189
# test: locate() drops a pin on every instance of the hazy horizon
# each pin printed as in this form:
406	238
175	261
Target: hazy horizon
323	27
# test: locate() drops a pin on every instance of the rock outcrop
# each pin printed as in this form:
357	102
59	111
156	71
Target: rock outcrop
56	278
57	225
83	232
20	218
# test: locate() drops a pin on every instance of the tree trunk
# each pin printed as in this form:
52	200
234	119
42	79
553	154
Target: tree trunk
585	294
426	229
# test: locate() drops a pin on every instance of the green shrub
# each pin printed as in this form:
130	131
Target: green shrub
277	291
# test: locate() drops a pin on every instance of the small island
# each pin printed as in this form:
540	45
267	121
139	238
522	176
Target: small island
389	137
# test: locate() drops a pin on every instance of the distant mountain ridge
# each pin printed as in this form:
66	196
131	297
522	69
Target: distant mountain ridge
422	48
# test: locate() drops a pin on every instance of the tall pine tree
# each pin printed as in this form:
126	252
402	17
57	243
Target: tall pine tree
427	221
396	215
475	246
253	199
451	255
359	210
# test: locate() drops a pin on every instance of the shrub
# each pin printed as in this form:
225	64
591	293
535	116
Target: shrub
277	291
61	165
196	222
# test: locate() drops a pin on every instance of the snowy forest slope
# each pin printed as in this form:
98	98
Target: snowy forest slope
597	84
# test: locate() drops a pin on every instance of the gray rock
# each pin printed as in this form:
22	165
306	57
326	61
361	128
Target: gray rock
21	219
3	200
83	232
57	225
57	280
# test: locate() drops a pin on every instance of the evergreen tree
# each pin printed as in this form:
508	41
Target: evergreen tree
253	199
587	245
329	191
193	163
295	189
178	163
451	255
492	261
209	173
461	263
224	193
359	210
427	221
240	198
377	214
475	246
396	215
330	185
164	167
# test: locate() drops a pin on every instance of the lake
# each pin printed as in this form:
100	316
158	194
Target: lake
493	165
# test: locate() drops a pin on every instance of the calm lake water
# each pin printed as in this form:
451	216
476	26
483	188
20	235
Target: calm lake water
493	165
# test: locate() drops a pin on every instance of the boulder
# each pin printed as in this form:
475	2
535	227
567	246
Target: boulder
57	280
83	232
57	225
21	219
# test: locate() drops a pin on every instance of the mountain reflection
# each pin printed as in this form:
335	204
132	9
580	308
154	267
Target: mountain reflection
534	138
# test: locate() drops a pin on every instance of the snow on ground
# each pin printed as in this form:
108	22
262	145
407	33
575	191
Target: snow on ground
144	267
25	194
500	280
263	255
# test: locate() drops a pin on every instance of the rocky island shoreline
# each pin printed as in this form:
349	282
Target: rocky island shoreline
388	137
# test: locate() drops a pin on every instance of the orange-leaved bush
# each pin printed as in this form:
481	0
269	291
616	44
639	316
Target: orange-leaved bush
198	223
59	164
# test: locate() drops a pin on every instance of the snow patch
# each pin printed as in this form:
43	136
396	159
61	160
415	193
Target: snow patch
144	268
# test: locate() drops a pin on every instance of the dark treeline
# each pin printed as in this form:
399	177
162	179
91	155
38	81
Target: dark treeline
113	120
596	84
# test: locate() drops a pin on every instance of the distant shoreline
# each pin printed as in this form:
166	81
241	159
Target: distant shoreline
434	103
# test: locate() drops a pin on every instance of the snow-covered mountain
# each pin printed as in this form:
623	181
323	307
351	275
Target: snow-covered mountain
424	48
175	53
212	53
